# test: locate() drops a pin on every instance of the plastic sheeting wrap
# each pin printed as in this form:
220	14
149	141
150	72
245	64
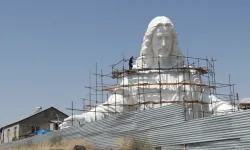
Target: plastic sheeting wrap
40	132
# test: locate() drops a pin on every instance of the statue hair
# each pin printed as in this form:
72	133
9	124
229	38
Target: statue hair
147	55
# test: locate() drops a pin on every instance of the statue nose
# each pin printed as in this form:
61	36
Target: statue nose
163	42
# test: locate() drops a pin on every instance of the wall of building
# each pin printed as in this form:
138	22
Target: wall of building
10	132
29	126
40	121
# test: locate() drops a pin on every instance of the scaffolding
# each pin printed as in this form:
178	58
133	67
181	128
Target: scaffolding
201	68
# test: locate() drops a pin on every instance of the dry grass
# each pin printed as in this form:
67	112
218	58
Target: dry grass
57	144
62	145
133	144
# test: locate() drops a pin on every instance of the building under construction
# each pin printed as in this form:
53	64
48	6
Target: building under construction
188	83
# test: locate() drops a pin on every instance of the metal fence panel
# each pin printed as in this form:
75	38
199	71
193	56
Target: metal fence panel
165	127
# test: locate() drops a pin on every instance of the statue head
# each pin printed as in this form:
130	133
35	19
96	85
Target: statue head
160	45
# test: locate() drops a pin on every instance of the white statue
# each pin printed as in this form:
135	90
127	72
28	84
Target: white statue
160	47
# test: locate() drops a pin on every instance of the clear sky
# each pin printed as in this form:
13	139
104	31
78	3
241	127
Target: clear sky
48	47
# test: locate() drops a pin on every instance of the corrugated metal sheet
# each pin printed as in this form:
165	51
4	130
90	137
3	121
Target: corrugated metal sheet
164	126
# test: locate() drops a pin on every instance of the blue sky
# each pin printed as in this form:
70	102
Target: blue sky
48	47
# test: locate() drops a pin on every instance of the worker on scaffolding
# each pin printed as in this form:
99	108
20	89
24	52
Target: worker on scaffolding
131	62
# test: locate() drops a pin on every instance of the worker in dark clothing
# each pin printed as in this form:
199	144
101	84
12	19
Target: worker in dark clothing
131	62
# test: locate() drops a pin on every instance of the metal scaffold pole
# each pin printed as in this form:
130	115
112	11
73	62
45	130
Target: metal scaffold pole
102	84
72	112
90	98
96	92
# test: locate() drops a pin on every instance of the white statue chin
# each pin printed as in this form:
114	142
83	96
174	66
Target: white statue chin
159	49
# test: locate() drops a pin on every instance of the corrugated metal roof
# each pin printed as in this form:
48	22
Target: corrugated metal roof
245	100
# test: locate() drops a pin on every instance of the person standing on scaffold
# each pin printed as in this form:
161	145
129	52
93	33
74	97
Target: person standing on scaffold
131	62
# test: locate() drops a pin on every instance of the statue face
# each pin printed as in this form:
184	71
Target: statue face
162	41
